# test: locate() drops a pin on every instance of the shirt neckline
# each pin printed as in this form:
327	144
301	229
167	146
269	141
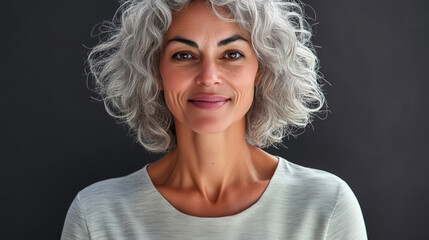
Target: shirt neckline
171	209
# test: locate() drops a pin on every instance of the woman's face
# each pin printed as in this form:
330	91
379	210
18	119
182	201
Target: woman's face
208	69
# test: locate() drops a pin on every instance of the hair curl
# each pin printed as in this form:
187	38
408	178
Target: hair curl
126	73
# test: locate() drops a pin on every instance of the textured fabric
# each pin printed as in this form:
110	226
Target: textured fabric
298	203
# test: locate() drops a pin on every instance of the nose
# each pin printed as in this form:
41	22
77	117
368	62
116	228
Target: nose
209	74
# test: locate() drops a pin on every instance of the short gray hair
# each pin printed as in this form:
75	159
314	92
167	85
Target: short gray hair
126	72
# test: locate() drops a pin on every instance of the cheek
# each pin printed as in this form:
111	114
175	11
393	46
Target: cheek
244	85
170	101
174	89
172	94
174	85
174	78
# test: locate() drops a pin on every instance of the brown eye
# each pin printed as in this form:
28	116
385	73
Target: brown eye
233	55
180	56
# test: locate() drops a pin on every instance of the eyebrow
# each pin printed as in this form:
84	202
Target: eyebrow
230	40
220	44
183	40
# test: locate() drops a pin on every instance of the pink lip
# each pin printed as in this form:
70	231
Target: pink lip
209	101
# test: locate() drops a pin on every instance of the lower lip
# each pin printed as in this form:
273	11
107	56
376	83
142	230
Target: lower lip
209	105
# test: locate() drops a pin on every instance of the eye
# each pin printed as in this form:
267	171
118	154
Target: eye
233	55
181	56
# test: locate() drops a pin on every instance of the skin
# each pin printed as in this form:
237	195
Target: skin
213	171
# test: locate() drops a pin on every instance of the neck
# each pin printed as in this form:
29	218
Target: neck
211	162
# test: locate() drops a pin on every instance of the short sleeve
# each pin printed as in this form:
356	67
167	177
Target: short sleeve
347	221
75	227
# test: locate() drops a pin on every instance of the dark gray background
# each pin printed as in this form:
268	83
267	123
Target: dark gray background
54	140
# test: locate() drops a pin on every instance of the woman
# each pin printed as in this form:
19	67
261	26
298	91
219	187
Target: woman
209	83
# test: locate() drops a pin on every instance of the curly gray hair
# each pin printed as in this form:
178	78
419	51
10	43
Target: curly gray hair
126	72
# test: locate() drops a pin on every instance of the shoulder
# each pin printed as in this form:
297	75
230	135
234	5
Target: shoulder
114	192
310	181
315	192
322	195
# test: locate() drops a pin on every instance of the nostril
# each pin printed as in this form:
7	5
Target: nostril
207	82
208	74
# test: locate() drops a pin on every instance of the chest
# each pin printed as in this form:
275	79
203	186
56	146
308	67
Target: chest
218	204
154	218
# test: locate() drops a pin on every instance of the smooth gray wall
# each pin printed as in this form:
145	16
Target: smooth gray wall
55	140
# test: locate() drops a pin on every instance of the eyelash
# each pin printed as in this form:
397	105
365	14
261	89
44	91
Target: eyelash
237	56
179	56
183	56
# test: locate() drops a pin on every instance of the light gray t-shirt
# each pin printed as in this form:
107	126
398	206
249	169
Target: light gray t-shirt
298	203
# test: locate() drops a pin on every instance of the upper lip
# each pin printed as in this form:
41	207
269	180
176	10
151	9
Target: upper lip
208	98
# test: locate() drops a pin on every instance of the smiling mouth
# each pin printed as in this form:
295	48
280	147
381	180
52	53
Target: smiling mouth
209	102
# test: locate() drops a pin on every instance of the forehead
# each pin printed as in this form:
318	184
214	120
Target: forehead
198	19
